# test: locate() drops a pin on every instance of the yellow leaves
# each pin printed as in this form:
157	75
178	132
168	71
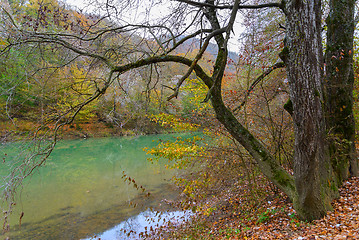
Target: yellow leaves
177	124
209	211
178	151
76	86
82	20
181	153
2	43
197	92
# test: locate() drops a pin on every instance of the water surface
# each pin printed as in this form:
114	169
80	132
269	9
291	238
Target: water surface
81	190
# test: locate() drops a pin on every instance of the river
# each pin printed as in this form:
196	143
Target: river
81	193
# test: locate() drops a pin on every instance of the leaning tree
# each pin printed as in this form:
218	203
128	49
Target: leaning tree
320	84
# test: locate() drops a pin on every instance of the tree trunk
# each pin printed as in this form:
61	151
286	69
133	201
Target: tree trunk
339	88
312	169
269	166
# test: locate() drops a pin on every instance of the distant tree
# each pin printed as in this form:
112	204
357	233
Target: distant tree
314	87
339	82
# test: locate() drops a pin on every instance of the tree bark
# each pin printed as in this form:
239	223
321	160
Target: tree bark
312	169
339	88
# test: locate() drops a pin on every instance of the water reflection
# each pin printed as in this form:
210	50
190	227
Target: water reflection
145	221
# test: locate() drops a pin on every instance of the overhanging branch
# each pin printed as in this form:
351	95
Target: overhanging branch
195	61
217	76
65	44
167	58
189	37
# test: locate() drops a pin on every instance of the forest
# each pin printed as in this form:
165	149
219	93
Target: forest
271	86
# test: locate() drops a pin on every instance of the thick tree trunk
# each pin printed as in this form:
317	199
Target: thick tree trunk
314	186
339	88
312	169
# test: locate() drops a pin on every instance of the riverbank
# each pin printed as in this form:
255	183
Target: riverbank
21	129
273	218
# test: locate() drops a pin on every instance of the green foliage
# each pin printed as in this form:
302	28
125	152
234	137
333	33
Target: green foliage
230	232
16	87
263	217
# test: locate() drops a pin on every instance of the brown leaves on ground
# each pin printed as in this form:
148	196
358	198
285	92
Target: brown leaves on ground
272	217
235	215
279	221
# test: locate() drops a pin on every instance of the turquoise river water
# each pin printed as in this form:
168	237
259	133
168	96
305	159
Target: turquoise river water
80	192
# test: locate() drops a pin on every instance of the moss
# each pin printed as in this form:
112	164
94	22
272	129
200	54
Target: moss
288	106
334	187
283	179
284	54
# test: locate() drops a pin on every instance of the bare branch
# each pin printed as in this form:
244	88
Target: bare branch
266	5
200	4
356	20
9	15
167	58
195	61
36	38
217	76
189	37
231	23
173	89
255	83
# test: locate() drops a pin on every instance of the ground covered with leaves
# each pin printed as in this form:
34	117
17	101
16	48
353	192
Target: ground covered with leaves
280	221
272	217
